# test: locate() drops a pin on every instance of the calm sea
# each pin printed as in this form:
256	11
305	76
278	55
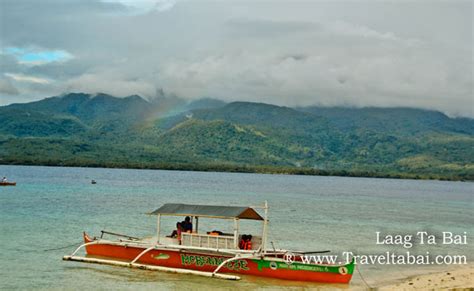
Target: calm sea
51	206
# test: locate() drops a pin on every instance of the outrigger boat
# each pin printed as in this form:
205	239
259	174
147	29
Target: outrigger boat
209	254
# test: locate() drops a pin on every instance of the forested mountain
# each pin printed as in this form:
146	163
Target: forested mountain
208	134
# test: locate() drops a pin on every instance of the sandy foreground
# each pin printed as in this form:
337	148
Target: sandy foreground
458	279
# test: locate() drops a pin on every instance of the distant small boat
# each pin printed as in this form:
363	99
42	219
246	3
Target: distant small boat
93	182
7	183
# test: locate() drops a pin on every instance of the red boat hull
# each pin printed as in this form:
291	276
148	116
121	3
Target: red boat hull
208	262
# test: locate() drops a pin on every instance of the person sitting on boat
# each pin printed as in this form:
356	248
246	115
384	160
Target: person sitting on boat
246	242
187	225
177	232
4	180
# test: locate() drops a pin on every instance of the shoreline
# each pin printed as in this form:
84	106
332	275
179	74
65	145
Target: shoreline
458	278
250	169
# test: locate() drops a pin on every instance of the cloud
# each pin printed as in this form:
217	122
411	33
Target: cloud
26	78
6	87
359	53
267	28
163	5
328	79
145	6
91	83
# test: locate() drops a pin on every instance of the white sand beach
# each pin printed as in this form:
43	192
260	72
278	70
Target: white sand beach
461	278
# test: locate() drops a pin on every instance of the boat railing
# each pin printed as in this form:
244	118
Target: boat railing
215	241
208	241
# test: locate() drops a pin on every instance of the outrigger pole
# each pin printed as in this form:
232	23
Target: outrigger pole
150	267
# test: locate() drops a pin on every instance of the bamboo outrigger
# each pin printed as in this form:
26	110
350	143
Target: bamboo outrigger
210	255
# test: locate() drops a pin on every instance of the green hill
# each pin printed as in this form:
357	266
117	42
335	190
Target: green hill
402	121
207	134
21	123
89	108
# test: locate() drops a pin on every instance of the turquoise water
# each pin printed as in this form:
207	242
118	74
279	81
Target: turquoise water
51	206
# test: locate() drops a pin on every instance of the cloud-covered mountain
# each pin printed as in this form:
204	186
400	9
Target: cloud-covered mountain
332	53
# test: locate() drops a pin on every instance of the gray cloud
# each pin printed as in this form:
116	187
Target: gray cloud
361	53
6	87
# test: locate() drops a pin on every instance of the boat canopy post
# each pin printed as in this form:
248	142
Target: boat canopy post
158	224
264	231
197	224
236	233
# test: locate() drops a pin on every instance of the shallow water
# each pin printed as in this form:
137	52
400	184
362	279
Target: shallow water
51	206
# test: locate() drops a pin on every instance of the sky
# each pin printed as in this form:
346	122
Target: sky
293	53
